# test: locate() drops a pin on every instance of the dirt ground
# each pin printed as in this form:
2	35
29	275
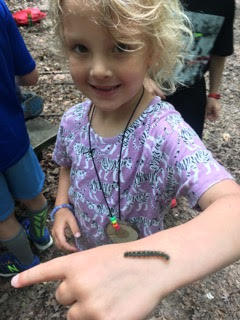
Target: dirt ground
215	298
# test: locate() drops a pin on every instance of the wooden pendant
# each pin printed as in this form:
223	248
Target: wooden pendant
126	233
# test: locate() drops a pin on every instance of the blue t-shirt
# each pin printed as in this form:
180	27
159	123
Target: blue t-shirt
14	60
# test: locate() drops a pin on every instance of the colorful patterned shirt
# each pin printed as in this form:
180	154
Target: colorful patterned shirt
162	158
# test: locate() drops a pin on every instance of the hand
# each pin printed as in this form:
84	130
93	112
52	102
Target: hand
100	284
213	109
63	219
151	86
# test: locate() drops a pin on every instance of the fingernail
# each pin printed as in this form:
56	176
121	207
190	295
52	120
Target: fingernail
14	281
77	235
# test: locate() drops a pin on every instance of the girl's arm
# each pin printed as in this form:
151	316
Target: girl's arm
102	284
64	217
63	186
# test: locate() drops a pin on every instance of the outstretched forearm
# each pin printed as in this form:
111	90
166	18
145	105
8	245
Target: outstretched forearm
198	248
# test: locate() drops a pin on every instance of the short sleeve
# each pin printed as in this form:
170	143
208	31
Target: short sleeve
195	169
60	154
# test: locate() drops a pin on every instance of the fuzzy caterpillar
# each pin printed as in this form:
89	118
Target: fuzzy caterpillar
146	253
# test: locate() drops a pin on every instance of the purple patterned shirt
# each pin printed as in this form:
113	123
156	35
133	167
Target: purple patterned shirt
162	158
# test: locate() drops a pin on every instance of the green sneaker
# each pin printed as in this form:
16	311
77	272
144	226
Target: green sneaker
41	242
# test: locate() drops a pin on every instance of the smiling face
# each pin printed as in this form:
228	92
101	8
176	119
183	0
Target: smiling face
111	77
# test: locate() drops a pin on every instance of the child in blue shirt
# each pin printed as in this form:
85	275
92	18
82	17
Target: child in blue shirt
21	176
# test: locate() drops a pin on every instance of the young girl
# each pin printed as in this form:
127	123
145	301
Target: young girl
124	154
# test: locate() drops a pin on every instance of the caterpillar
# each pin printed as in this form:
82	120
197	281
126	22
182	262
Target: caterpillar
140	254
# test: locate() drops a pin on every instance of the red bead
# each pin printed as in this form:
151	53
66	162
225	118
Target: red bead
117	227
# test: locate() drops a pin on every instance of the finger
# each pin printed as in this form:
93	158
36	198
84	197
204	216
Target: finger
48	271
62	244
211	116
68	247
74	227
58	232
76	312
63	295
55	239
61	241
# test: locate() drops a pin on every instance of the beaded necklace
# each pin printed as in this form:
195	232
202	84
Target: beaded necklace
117	231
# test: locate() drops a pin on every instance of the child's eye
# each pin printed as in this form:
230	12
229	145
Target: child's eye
80	48
122	47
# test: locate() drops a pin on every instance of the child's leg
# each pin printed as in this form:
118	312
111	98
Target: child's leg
13	237
35	204
38	211
26	181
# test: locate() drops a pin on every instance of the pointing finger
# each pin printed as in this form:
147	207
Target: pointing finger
48	271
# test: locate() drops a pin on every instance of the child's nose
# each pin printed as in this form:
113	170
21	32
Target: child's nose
100	68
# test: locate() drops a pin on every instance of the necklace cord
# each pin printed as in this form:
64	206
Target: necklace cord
119	159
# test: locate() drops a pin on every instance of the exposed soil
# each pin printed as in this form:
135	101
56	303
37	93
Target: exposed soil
215	298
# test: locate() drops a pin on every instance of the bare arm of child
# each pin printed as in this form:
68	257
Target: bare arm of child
64	217
216	68
29	79
101	284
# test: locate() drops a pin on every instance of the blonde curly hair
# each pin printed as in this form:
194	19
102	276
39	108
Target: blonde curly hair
160	24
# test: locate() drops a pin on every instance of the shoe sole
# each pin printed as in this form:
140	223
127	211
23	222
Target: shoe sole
43	247
8	275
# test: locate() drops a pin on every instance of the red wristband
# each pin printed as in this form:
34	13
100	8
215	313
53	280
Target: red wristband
214	95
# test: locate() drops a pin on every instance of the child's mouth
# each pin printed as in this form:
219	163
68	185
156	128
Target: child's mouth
105	88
